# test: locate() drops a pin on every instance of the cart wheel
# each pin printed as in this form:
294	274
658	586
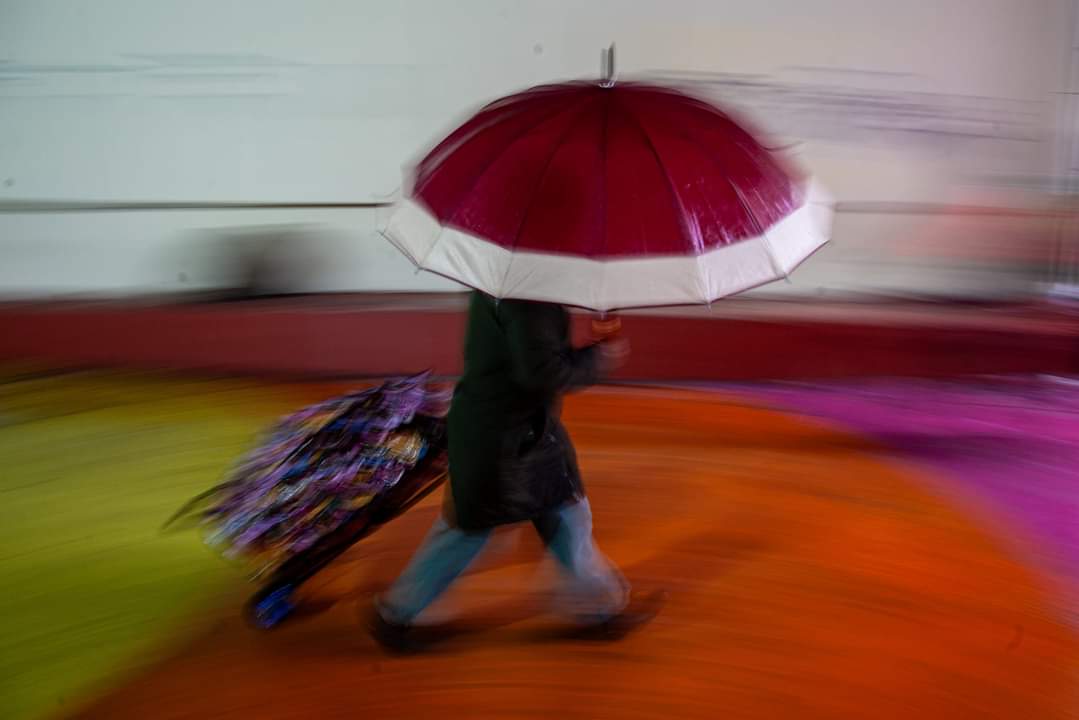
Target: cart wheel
270	607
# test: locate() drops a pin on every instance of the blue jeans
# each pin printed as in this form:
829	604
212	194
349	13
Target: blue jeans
598	591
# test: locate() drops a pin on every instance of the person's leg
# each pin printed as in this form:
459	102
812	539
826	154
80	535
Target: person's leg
597	591
443	555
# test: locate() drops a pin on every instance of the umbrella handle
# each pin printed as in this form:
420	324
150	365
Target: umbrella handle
606	327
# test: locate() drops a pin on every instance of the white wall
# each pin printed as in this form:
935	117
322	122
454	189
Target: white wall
324	100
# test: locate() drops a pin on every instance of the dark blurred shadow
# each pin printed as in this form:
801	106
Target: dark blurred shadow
252	263
986	447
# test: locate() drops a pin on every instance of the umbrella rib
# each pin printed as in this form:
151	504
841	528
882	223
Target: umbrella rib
539	183
479	176
763	234
693	235
761	231
517	138
604	142
441	150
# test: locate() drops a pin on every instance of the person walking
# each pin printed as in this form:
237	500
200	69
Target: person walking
510	461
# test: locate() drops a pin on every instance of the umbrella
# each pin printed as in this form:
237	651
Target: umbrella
607	196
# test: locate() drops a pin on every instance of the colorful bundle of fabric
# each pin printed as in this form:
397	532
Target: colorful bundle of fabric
319	466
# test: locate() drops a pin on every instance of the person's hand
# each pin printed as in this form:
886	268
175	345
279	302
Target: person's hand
613	353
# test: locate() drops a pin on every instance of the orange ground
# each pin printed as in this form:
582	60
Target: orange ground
806	580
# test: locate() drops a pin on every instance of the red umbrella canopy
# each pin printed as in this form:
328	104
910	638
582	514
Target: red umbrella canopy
605	197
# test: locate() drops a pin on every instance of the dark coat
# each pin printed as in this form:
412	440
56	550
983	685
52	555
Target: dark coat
510	456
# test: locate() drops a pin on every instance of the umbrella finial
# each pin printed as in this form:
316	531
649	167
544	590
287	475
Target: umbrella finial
607	67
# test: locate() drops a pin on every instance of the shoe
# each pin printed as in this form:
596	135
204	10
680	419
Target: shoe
392	637
637	613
